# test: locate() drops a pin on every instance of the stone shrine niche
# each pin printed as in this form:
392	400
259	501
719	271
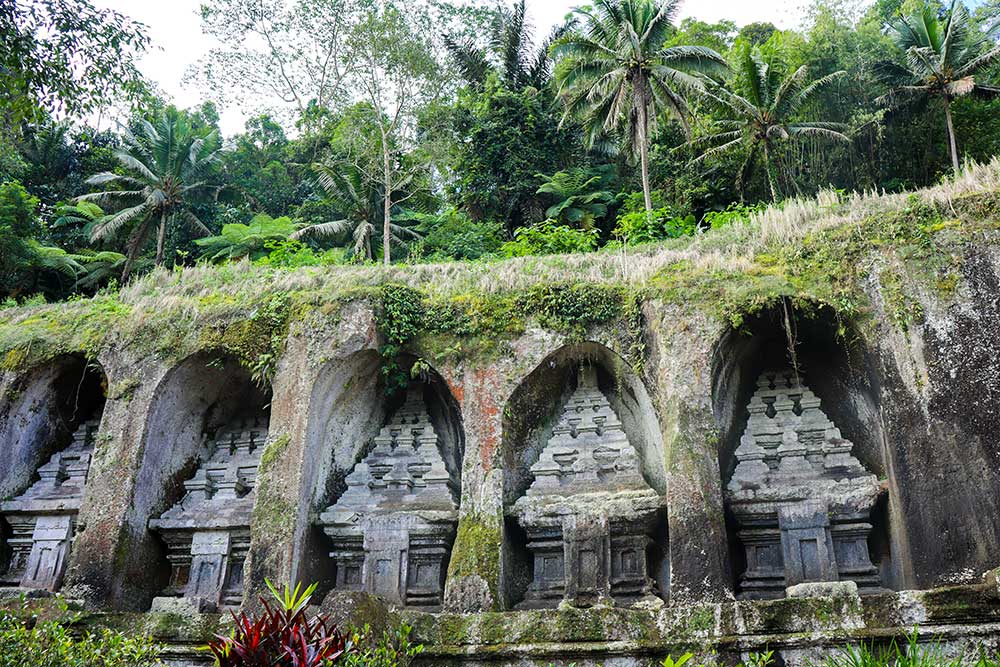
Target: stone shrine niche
207	533
589	516
38	524
43	518
391	532
801	500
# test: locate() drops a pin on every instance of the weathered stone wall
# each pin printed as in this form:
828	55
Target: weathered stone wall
939	398
914	383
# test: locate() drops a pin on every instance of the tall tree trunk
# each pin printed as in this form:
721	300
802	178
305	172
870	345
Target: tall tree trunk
952	144
644	151
387	201
772	177
161	237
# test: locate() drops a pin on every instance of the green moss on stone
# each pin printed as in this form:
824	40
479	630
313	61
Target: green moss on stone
476	552
273	451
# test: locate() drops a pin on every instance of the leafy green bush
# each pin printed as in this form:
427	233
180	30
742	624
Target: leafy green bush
581	195
18	225
453	235
250	240
657	225
547	238
293	254
50	644
733	213
392	648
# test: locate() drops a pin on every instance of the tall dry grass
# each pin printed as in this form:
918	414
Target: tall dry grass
728	249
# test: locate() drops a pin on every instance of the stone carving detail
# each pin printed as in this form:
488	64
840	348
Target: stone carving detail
208	532
801	500
589	513
393	527
42	519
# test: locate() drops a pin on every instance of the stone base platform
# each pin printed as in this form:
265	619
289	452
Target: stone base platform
959	620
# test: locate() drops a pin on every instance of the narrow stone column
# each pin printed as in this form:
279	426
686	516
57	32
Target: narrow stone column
680	357
110	557
278	508
473	582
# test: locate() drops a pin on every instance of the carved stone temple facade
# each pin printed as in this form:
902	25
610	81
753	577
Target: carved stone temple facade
42	520
392	530
552	492
207	533
589	513
802	501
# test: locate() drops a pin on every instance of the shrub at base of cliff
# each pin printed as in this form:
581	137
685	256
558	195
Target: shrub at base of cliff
282	635
51	644
393	648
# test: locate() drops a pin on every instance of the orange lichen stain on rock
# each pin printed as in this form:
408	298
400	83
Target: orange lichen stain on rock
455	385
488	414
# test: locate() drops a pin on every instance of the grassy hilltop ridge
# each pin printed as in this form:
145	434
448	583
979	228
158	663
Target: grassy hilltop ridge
817	250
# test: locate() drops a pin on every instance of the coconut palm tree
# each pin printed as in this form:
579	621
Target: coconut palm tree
943	60
360	207
766	115
614	73
167	165
511	55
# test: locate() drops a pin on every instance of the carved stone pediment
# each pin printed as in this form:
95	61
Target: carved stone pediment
801	499
392	529
207	532
588	513
43	518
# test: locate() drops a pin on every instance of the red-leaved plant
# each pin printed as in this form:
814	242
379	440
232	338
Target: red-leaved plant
281	636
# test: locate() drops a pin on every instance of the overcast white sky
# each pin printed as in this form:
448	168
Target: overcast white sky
175	28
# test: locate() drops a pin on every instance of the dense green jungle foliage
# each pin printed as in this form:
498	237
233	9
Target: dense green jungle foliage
428	138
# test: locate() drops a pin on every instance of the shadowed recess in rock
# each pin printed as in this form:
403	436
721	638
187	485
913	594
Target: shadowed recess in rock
203	438
58	417
589	528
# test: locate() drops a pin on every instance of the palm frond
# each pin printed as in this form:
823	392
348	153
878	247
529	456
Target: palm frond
135	163
817	131
109	226
984	61
470	60
192	221
326	229
807	93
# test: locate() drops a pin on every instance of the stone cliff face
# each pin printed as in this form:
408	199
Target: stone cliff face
897	340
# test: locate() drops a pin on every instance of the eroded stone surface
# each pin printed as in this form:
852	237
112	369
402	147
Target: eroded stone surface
393	527
43	518
588	514
207	533
801	499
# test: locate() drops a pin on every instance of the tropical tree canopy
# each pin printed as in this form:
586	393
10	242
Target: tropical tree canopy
168	165
944	61
360	207
442	130
767	114
65	55
511	55
616	76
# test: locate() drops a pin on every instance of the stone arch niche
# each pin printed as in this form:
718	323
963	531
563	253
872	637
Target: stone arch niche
384	484
205	433
48	435
584	485
802	458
